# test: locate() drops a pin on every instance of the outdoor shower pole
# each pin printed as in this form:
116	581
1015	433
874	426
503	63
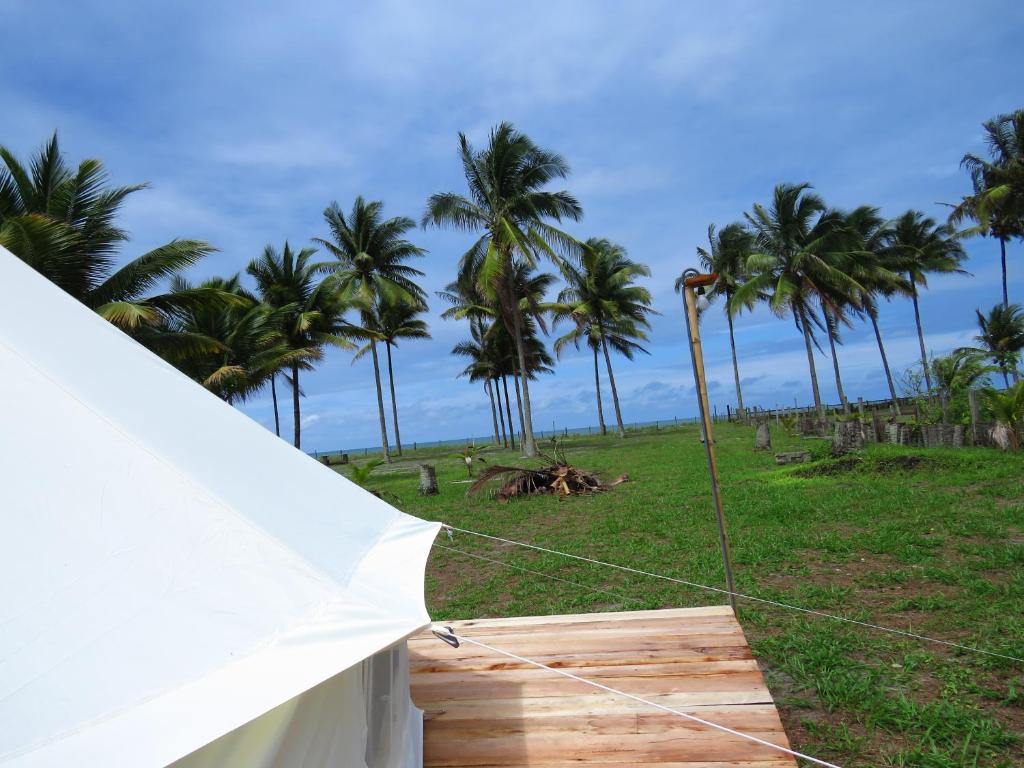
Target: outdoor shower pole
692	279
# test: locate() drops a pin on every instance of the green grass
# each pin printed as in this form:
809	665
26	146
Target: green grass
928	540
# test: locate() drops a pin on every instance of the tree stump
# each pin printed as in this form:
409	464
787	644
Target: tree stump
792	457
848	437
428	480
763	438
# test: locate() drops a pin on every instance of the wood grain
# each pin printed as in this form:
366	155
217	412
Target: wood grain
483	710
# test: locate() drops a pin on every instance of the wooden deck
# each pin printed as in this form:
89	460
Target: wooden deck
485	710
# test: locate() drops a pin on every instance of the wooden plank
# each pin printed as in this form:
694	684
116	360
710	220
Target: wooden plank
484	710
583	618
595	703
634	646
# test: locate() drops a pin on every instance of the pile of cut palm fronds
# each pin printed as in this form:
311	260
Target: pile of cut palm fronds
559	479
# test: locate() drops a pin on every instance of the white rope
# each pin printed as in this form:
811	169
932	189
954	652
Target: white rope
442	631
752	598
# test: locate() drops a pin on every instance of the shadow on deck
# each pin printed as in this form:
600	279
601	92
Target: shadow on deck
485	710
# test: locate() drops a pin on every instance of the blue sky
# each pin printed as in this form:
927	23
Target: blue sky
248	118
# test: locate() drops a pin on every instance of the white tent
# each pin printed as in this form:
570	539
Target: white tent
177	583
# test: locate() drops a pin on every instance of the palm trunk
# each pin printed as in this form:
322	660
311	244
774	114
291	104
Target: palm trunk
735	364
528	444
597	388
508	412
1002	256
296	410
519	405
830	322
494	413
615	391
810	363
380	403
394	403
501	414
885	362
920	334
273	396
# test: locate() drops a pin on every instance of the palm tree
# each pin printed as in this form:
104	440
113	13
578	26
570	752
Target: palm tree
240	345
372	253
62	222
606	305
955	374
395	319
924	247
620	335
726	257
537	361
876	266
589	331
530	287
466	301
483	366
312	311
997	202
1001	339
1008	410
508	203
789	267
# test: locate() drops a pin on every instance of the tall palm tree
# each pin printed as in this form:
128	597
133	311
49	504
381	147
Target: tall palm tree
620	335
726	256
924	248
602	298
61	221
241	344
876	266
530	288
393	320
588	331
997	201
312	311
789	268
371	254
484	366
507	202
538	361
466	301
1000	339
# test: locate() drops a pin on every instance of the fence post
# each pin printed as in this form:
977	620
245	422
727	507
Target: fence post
972	400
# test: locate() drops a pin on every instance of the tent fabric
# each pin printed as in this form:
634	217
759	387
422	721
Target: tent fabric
171	569
362	718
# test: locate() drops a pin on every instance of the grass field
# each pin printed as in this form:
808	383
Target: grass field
927	540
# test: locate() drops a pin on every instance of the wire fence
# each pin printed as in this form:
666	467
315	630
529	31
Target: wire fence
907	406
538	434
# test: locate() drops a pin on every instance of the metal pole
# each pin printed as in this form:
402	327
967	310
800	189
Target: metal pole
697	359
